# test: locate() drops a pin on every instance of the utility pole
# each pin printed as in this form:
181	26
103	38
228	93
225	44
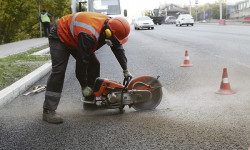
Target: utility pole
190	9
39	20
73	6
196	17
90	5
220	9
204	13
222	21
196	9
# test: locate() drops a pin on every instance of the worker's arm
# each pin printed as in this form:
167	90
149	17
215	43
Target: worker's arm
85	45
49	15
119	53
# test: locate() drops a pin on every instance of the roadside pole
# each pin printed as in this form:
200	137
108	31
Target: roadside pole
222	21
73	6
196	17
196	9
204	14
220	9
40	22
190	9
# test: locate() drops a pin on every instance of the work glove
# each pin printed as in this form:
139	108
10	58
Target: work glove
87	91
108	42
127	74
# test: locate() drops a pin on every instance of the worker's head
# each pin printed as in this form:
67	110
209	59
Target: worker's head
44	10
119	28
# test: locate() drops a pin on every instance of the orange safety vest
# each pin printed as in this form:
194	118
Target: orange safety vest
71	25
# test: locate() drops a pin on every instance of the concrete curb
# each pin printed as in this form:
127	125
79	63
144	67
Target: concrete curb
42	52
11	92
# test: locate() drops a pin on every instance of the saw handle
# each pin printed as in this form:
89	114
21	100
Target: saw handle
126	82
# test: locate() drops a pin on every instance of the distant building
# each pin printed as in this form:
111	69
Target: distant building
177	11
238	6
171	6
243	4
174	10
239	10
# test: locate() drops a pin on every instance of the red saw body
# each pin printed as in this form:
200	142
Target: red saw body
142	93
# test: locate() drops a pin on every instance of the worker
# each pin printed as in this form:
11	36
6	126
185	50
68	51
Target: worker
45	20
80	35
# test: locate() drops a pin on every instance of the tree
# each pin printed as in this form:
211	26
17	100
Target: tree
19	19
147	12
215	9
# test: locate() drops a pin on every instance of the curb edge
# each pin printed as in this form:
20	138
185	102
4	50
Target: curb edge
11	92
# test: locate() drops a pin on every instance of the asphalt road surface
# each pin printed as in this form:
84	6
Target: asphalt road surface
190	116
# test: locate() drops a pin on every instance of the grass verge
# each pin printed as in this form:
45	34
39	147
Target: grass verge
15	67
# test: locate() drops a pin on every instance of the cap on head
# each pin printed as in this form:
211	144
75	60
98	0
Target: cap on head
120	28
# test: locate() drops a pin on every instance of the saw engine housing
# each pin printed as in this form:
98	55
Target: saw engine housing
138	93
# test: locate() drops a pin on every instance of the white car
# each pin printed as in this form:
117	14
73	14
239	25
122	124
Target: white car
143	23
185	19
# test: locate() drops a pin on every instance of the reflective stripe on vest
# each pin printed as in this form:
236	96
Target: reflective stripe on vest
82	25
45	18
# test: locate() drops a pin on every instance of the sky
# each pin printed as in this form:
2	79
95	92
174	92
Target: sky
136	7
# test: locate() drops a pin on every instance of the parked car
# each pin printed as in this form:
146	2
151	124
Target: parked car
170	20
143	23
185	19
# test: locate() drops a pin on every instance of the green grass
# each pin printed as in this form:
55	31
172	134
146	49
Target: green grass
15	67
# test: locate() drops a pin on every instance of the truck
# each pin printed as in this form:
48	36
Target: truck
157	17
107	7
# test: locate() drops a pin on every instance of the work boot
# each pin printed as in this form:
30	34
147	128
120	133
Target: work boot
51	117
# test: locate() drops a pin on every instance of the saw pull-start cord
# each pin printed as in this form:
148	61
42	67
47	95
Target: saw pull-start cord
125	83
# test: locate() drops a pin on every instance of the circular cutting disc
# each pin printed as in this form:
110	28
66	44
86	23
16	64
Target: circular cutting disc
155	88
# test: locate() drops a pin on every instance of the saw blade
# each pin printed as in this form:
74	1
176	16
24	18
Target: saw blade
154	86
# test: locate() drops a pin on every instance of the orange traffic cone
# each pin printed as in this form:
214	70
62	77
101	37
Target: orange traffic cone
225	85
186	61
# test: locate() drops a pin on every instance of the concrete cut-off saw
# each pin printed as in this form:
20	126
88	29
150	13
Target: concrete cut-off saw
141	93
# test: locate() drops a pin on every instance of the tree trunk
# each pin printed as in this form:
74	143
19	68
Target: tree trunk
1	36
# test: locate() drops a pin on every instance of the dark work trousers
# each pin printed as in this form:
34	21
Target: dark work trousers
46	26
60	56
